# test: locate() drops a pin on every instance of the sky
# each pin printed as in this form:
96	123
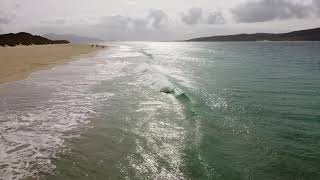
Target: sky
157	20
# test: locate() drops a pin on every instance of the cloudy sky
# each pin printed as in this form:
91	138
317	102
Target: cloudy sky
157	19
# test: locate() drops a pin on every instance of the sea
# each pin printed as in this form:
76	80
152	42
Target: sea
167	110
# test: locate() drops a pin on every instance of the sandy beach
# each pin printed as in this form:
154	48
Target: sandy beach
18	62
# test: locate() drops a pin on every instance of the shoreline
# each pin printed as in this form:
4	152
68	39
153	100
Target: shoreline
17	63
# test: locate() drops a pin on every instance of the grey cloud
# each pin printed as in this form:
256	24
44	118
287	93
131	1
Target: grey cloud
126	28
55	22
158	17
115	22
155	19
8	11
316	5
152	26
60	21
197	16
4	20
268	10
122	23
139	23
215	18
193	16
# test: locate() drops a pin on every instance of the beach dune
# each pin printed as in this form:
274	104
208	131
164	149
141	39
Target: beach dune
18	62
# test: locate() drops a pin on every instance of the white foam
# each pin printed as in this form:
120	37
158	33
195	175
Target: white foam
153	78
38	114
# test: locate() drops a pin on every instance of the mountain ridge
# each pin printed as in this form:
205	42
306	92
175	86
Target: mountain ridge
302	35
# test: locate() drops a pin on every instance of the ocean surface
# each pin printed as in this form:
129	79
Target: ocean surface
233	111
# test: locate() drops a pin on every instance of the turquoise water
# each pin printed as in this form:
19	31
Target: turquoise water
234	111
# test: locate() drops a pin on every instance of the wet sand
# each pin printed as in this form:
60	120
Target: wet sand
18	62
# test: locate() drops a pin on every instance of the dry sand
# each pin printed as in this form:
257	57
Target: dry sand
18	62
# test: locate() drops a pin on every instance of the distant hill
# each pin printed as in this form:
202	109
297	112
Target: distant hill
304	35
24	38
71	37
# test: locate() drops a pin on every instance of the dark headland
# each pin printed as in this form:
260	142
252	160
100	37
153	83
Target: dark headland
24	38
303	35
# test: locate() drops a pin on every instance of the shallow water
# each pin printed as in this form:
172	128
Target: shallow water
236	111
